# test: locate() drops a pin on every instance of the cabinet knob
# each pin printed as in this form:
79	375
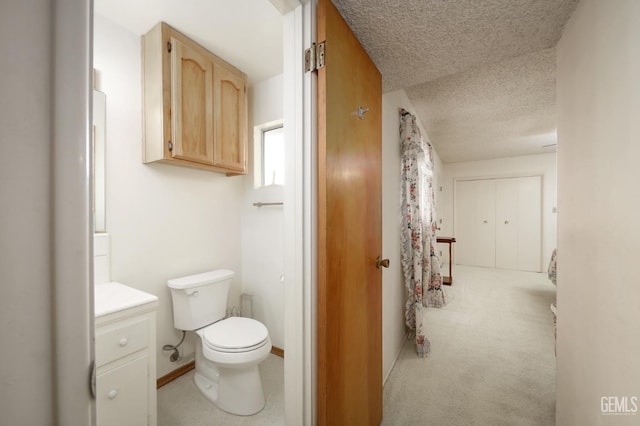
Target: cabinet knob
123	342
506	222
112	394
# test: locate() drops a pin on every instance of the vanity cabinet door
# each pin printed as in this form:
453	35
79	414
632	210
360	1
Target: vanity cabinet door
121	398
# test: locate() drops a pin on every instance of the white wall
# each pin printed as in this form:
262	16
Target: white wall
393	291
165	221
25	259
45	234
543	164
598	98
262	227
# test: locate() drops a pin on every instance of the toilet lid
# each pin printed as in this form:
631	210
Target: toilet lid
234	333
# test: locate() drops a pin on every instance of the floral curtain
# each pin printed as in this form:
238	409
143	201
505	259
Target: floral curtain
420	263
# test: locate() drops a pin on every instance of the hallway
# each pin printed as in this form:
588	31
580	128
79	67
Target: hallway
492	356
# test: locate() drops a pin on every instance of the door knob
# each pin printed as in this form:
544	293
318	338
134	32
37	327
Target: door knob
382	262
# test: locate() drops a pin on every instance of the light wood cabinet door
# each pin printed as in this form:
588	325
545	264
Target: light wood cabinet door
230	119
192	104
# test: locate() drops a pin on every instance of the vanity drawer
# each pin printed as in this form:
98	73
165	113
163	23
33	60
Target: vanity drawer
123	338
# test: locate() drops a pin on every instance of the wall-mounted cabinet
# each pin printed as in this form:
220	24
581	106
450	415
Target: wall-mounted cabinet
195	105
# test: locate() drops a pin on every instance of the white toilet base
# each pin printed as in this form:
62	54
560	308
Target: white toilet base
236	391
206	386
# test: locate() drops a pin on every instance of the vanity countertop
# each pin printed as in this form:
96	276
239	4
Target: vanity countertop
114	297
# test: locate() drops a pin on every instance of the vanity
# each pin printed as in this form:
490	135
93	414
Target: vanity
125	318
125	341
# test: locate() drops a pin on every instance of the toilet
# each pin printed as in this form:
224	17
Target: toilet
228	350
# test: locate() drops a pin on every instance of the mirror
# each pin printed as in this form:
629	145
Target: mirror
99	160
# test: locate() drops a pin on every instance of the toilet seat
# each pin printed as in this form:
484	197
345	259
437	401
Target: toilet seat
235	334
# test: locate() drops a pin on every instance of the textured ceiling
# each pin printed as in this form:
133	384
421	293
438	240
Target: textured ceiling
481	74
501	109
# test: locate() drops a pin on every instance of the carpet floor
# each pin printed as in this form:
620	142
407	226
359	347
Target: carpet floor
492	358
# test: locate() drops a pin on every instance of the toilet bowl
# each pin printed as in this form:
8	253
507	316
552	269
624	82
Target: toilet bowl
228	350
227	374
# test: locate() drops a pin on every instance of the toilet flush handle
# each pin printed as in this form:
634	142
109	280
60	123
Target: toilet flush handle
194	293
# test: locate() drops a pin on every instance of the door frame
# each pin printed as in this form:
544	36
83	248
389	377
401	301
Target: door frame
73	53
300	213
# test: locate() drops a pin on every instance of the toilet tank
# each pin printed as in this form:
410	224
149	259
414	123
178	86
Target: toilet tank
200	300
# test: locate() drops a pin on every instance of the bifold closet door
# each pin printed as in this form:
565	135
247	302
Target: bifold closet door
519	223
530	223
475	223
507	223
486	223
465	226
498	223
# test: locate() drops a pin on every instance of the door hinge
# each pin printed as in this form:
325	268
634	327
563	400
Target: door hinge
169	46
170	146
314	57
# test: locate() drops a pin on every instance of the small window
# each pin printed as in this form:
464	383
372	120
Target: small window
273	156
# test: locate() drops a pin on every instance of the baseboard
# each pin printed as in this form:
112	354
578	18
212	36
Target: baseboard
175	374
191	365
277	351
395	359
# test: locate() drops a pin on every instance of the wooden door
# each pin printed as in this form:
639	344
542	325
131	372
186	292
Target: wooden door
230	119
506	223
349	316
191	103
